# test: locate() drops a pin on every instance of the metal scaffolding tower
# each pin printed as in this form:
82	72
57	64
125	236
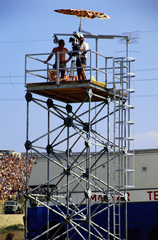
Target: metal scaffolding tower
87	146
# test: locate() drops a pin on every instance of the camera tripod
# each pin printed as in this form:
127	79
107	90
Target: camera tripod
79	70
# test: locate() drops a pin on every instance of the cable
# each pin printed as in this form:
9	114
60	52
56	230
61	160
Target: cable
154	95
145	80
46	40
12	99
149	31
12	83
51	39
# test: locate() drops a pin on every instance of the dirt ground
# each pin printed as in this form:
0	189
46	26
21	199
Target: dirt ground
11	219
18	235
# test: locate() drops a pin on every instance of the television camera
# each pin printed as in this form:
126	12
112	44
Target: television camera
75	42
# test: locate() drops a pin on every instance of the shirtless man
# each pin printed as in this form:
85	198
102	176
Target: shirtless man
62	61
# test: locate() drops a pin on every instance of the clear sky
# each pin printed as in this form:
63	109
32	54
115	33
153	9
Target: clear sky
27	26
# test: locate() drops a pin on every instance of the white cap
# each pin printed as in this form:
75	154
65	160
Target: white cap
81	36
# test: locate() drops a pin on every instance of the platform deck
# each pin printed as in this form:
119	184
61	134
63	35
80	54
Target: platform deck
71	91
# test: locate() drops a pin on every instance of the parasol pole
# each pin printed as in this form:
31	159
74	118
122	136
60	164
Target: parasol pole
80	25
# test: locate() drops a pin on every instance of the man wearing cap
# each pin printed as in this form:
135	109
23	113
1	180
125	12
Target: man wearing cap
82	58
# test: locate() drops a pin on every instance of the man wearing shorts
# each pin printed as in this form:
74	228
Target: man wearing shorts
82	58
62	61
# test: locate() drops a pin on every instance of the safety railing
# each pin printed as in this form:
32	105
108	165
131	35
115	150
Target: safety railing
98	68
37	71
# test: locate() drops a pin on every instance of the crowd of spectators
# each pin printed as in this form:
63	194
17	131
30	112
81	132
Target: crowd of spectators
13	176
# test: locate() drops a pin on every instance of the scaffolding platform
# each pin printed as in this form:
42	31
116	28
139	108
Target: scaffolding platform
71	91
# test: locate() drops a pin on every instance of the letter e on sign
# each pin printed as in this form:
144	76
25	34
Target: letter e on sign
155	195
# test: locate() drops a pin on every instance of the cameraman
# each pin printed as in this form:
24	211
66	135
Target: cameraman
82	58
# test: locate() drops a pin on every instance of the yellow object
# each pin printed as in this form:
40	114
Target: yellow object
98	83
92	78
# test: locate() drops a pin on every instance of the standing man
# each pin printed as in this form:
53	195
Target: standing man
62	61
82	58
